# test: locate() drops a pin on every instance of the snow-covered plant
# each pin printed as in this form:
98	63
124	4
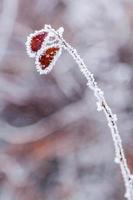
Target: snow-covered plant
46	46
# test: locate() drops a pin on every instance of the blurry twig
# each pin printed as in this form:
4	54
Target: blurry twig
44	127
7	19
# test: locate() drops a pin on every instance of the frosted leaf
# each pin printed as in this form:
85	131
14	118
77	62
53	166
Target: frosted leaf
46	58
35	41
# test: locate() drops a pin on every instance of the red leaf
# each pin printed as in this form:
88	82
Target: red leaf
37	41
46	58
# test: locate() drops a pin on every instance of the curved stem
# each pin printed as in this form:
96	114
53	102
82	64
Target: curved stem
111	118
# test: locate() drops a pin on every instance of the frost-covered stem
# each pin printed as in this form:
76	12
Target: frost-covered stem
111	118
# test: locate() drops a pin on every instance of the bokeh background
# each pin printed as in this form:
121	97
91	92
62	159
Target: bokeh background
54	145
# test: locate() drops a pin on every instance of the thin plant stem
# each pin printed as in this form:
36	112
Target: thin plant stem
102	105
101	102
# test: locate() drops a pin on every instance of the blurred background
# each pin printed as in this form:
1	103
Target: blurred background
54	145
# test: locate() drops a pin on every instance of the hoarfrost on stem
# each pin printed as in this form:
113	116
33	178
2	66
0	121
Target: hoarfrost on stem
102	105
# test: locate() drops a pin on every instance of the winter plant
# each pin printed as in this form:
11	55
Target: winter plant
46	46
